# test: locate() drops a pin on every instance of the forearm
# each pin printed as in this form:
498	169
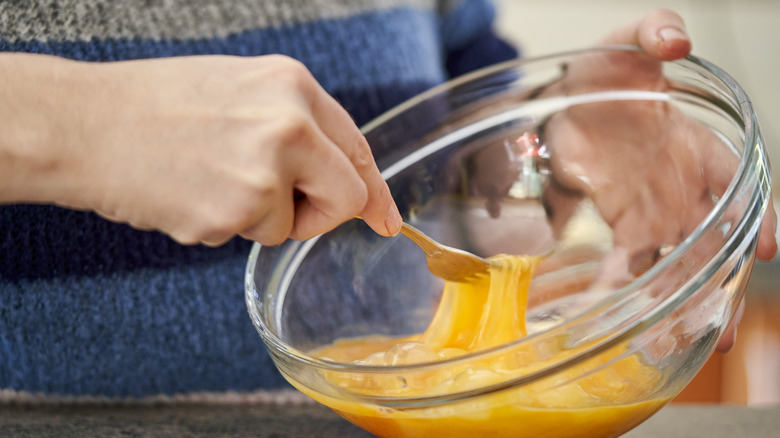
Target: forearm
39	114
169	144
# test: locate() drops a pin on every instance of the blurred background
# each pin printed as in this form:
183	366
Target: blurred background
743	38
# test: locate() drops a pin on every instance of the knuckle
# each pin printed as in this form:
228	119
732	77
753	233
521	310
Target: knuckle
360	154
293	128
216	240
292	72
265	233
271	239
185	237
218	224
286	63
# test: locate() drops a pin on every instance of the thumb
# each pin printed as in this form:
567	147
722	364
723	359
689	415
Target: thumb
661	34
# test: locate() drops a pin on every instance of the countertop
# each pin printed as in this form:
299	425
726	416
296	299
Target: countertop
309	420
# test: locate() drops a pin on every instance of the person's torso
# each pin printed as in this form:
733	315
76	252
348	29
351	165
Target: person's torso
89	307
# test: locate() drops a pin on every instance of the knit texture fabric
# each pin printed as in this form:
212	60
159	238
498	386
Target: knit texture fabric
93	308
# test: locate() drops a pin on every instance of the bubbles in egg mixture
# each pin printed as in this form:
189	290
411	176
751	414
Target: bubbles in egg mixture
373	359
464	378
407	353
475	378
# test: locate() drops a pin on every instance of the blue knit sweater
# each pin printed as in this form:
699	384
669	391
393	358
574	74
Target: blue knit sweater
93	308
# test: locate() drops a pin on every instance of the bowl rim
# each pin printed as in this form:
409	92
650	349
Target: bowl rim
752	154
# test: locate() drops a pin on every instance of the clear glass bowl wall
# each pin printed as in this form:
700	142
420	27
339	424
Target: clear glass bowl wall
352	282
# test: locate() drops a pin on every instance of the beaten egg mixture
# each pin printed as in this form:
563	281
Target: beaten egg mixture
603	396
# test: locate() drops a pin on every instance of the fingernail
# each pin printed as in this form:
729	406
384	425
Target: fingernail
672	33
393	220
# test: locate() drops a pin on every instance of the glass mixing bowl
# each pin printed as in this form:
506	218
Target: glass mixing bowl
648	238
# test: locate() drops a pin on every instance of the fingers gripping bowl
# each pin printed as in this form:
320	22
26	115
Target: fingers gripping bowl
641	194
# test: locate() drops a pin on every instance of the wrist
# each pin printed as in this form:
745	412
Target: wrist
38	117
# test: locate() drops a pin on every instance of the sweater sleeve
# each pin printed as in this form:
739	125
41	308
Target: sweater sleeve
468	37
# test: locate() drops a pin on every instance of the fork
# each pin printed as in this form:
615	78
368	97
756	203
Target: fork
449	263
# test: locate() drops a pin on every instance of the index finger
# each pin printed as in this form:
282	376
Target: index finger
381	212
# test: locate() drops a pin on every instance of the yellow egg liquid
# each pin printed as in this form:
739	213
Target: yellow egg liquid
603	396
